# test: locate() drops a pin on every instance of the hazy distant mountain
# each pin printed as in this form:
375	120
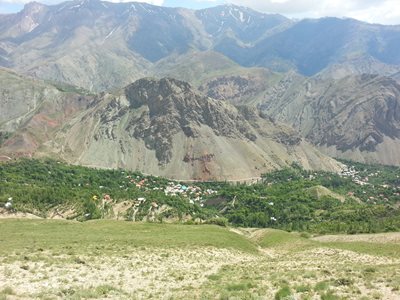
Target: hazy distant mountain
160	127
311	74
356	117
310	46
101	45
243	24
218	77
396	76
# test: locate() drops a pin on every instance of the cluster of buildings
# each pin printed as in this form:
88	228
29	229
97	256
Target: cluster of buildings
139	183
351	172
194	193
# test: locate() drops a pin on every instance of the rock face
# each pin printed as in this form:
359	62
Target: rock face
244	87
357	117
172	107
35	109
163	127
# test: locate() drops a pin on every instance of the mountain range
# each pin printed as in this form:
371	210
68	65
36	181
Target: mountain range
101	45
355	117
161	127
219	93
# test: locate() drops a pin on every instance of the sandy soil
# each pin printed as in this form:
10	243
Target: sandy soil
16	215
391	237
171	273
141	273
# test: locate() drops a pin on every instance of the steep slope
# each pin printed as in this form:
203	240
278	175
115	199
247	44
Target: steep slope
101	45
357	117
31	111
85	43
252	86
217	76
238	23
245	86
310	46
396	76
359	65
19	97
163	127
196	67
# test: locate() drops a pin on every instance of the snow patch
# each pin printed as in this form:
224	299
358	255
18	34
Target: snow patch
76	6
33	26
241	17
108	35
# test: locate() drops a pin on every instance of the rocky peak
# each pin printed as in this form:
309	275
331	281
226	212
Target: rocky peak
151	91
32	8
28	19
169	106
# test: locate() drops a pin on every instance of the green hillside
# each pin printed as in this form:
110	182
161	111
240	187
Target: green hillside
290	199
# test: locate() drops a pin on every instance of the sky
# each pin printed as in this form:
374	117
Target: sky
372	11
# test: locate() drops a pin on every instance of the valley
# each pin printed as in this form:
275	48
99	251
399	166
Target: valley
362	199
156	152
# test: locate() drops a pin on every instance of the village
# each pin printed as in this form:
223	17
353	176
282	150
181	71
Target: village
365	180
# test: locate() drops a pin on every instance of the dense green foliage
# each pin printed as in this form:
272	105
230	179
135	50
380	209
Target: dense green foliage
38	186
289	199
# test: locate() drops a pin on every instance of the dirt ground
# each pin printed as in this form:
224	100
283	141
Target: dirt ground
313	271
390	237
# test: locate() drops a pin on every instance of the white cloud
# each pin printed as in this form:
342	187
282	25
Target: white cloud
377	11
154	2
386	13
373	11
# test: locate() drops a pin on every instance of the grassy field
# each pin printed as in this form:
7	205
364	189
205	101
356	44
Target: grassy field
17	235
48	259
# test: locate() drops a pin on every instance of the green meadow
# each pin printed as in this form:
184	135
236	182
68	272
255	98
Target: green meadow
104	259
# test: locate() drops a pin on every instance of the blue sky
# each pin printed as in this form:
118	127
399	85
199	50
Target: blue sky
373	11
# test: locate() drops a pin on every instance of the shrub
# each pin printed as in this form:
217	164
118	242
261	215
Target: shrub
243	286
283	293
305	235
303	288
91	210
321	286
218	221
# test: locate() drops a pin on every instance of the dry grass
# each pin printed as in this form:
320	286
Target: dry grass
120	260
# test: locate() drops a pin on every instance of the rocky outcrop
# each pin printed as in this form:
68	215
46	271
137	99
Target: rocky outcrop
234	87
173	107
31	111
160	127
355	117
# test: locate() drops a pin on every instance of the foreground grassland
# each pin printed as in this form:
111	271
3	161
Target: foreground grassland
49	259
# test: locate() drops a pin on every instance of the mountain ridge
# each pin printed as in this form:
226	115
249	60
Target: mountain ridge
163	127
101	45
